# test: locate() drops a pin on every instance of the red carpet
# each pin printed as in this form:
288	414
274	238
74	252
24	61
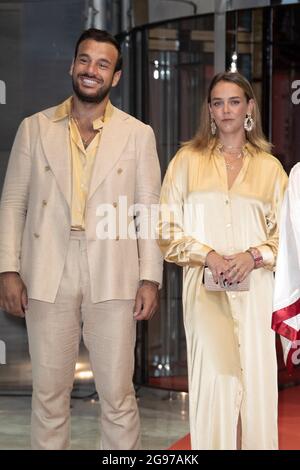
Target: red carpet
289	422
183	444
289	419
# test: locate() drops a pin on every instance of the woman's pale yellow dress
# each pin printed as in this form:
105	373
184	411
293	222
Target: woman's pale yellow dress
231	348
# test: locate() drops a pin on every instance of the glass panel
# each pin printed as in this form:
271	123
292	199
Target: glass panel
285	97
176	66
245	39
267	42
285	107
37	41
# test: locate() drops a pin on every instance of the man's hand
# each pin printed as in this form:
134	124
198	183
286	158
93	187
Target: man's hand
146	301
240	265
217	264
13	294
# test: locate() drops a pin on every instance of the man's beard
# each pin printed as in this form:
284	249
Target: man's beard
97	98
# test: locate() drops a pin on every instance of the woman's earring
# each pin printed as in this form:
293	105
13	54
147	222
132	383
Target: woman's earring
213	126
248	123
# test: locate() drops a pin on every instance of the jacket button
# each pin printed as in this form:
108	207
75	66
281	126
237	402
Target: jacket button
47	168
115	204
117	238
119	171
36	235
44	202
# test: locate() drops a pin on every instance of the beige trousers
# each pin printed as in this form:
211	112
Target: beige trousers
54	332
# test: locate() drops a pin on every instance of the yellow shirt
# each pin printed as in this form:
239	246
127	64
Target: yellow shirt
82	160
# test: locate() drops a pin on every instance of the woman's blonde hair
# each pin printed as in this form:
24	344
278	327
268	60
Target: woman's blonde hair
204	139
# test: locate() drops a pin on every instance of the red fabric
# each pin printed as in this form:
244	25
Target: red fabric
284	314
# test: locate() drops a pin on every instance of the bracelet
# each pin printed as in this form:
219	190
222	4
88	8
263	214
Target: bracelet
257	257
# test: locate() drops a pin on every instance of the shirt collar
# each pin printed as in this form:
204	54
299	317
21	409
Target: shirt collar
63	111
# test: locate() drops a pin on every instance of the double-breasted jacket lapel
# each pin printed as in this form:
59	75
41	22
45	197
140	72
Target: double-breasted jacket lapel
56	146
113	140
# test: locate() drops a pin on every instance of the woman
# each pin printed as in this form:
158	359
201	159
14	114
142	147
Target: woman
219	208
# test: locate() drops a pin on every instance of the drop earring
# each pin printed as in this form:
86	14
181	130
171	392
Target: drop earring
213	126
248	123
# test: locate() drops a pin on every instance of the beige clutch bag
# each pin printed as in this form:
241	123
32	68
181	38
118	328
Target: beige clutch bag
223	285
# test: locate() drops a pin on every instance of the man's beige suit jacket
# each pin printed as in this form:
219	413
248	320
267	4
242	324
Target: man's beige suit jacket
35	219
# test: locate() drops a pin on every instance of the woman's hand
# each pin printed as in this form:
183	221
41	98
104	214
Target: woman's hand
217	264
239	266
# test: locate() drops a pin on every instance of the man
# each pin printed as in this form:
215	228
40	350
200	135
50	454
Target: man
66	164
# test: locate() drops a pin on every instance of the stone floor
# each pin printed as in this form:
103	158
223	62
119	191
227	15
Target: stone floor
164	420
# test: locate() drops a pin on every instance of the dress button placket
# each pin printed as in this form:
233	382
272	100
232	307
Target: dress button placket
233	297
228	224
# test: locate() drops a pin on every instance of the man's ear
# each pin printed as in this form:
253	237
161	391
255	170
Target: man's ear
71	68
116	78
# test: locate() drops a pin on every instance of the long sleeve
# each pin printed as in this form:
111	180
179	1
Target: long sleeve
146	202
269	249
14	201
176	245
